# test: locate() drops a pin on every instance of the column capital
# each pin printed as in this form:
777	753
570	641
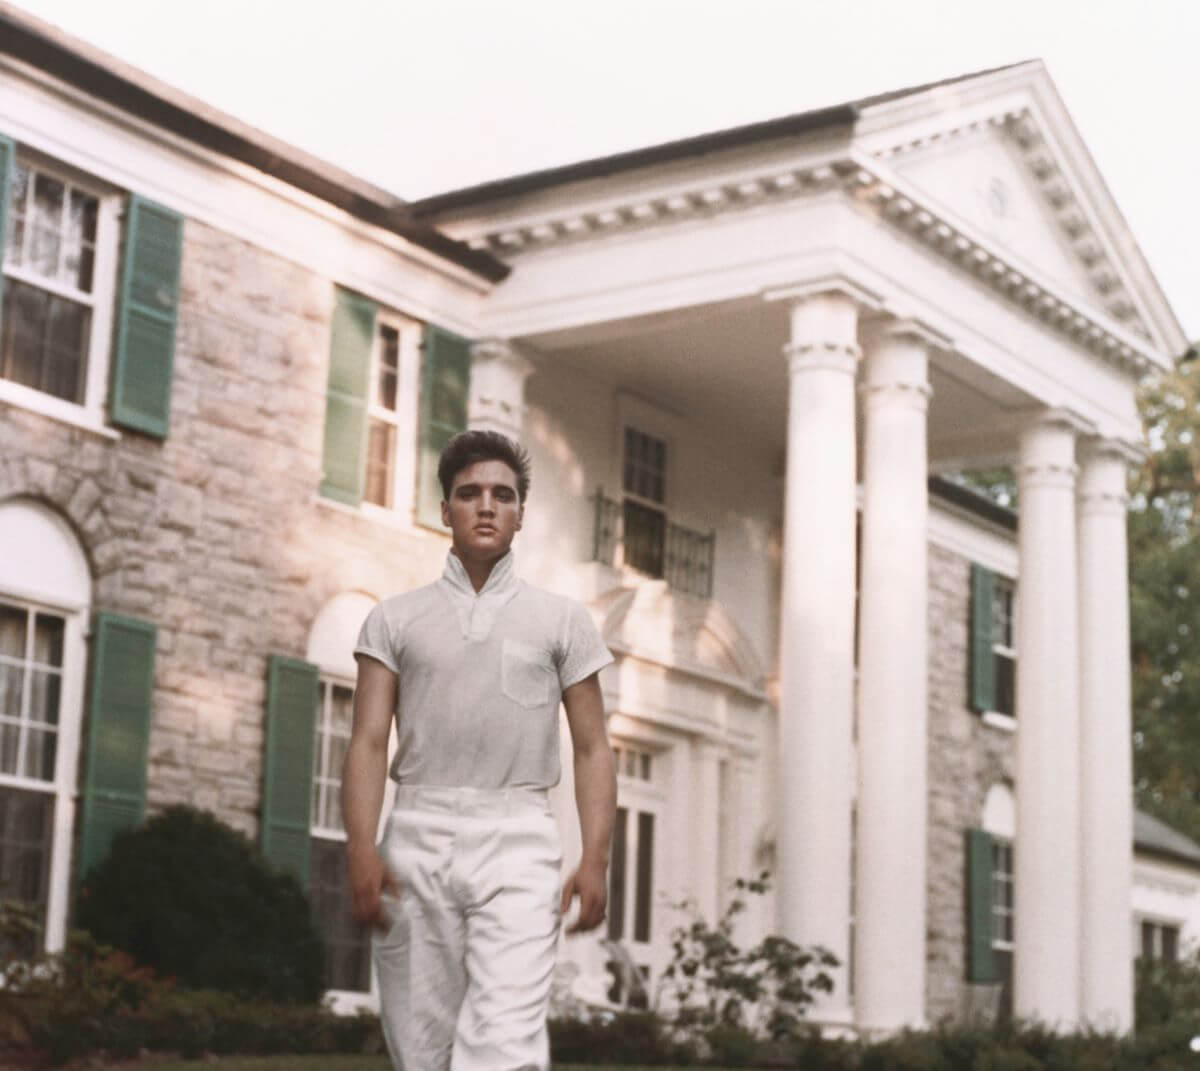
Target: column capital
1047	449
897	363
1104	474
906	328
498	374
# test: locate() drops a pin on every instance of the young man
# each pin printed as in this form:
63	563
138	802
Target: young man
464	889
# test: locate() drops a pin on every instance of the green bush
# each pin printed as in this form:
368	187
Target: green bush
624	1038
93	1001
1167	992
192	898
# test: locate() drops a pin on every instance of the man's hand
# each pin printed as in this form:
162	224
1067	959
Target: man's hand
369	879
589	884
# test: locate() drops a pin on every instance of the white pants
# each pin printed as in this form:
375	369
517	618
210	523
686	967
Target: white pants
465	967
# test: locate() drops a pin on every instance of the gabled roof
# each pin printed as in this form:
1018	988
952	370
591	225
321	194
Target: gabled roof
106	78
668	152
1153	835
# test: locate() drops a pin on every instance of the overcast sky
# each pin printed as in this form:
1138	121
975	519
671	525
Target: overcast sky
429	96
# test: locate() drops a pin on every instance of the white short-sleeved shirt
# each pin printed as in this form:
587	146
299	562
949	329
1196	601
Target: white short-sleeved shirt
480	676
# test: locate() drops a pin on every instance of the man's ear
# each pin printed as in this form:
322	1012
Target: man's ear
520	516
445	513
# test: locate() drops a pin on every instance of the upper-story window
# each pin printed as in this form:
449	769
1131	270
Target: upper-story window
59	267
384	413
993	645
645	486
1004	645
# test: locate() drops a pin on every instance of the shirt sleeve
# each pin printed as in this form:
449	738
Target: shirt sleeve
583	651
375	639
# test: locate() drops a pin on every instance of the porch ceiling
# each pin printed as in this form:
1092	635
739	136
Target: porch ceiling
722	367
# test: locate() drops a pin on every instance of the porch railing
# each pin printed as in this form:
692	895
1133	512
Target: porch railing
628	533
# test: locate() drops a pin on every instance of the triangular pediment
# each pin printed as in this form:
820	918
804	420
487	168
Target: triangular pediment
1003	179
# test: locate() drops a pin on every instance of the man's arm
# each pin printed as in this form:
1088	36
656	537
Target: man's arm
364	776
596	799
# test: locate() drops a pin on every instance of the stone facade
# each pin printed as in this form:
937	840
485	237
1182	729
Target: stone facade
966	757
217	534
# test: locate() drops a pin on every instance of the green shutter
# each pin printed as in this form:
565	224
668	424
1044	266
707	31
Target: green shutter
445	388
119	713
140	394
983	661
8	156
981	963
292	694
352	337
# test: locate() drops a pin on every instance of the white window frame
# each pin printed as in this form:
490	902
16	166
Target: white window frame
1159	924
405	418
62	788
92	411
996	718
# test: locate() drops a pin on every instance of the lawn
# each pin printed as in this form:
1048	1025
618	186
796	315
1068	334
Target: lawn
326	1063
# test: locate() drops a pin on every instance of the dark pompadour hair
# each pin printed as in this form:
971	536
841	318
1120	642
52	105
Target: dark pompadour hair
468	447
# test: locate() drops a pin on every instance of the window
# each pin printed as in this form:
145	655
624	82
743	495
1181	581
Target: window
347	946
59	265
1004	645
1159	941
645	486
993	654
1002	920
631	762
383	421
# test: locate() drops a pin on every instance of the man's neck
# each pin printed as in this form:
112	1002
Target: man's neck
477	570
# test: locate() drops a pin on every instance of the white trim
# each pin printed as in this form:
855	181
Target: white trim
22	397
1005	722
970	536
50	116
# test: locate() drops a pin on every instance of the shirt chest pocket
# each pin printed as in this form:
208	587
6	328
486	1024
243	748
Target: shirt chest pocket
526	675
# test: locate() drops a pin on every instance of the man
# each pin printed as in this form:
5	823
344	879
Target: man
464	888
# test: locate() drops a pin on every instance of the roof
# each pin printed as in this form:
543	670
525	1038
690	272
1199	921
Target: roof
827	118
110	80
1153	835
973	501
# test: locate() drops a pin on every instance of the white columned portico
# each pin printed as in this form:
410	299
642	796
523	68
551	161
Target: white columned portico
816	654
1046	856
1106	759
497	399
890	842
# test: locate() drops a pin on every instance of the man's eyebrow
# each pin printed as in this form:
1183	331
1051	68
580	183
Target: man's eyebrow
500	485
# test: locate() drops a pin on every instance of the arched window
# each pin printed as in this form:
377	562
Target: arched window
1000	823
45	592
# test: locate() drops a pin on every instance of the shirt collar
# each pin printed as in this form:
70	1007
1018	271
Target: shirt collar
500	580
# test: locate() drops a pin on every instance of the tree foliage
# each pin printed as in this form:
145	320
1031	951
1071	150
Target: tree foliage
1164	555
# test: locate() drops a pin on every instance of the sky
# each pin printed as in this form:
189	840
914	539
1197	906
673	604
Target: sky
422	97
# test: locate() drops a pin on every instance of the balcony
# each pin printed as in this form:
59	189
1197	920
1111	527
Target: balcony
631	535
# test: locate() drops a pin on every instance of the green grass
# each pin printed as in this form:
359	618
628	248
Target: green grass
330	1063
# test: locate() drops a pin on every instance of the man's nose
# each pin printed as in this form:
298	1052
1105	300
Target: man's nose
487	504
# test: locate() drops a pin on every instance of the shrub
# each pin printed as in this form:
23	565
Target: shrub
192	898
1167	992
624	1038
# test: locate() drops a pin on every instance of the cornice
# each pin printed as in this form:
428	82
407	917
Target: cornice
869	181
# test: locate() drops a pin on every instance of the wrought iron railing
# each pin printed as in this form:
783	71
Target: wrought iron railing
628	533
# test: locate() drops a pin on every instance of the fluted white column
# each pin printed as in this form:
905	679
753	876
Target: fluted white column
497	399
1106	801
1046	863
889	967
816	655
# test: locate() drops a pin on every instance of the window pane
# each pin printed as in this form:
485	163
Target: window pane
43	340
1170	944
645	533
16	230
48	195
1006	685
10	689
1147	940
48	640
41	747
10	739
616	878
380	440
12	631
44	689
389	364
81	240
341	709
645	878
347	945
645	767
25	830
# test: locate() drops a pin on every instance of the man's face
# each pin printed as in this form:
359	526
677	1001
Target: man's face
483	512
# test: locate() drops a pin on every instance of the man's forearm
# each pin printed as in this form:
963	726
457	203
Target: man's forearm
363	779
596	799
